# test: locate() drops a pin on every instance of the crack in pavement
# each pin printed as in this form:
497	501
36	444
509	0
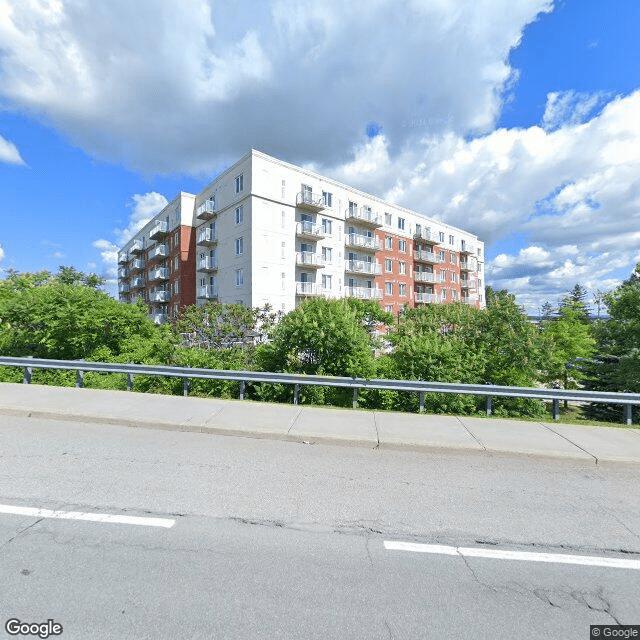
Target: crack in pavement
33	524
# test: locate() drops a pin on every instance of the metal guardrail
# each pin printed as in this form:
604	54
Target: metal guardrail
627	400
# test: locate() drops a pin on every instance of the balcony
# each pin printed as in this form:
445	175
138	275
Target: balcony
468	283
472	299
159	296
137	283
468	265
208	291
309	259
159	251
364	293
158	318
362	242
306	200
363	216
208	263
123	288
310	231
424	276
136	247
426	235
207	237
123	272
362	266
467	248
159	230
429	257
309	289
206	210
137	264
123	258
161	273
423	298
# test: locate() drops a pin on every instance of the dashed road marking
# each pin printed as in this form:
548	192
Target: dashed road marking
504	554
35	512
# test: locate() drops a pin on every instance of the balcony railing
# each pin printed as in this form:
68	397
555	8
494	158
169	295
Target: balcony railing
123	272
159	229
309	289
468	248
426	235
306	200
306	229
468	264
159	296
468	283
363	216
123	258
137	283
364	293
123	287
208	291
206	210
472	299
362	242
161	273
424	276
208	263
309	259
158	318
425	297
362	266
207	236
136	247
159	251
137	264
427	256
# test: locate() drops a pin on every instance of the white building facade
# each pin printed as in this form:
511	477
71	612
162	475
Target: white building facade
269	232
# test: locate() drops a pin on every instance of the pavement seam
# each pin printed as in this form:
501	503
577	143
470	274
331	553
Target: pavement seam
569	441
375	424
464	426
295	419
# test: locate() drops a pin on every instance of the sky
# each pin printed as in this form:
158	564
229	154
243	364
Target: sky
517	120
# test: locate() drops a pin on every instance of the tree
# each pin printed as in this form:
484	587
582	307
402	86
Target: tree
577	299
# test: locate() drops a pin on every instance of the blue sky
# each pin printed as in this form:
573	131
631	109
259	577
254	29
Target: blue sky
517	120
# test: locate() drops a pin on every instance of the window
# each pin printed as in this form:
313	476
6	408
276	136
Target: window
443	276
282	279
402	268
353	208
239	277
326	282
239	215
402	245
176	237
327	255
175	263
239	182
401	224
454	277
388	288
388	219
326	226
283	247
283	219
203	282
327	198
441	256
402	289
239	246
176	286
283	189
388	265
443	294
441	236
454	295
452	258
452	240
389	308
388	242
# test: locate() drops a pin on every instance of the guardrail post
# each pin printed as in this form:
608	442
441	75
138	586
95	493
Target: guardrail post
243	384
489	406
355	397
28	372
421	401
296	393
556	409
129	380
627	414
185	387
80	378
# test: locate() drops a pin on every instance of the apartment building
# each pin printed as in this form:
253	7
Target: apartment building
266	231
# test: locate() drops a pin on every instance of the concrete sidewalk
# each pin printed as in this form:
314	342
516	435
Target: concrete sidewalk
371	429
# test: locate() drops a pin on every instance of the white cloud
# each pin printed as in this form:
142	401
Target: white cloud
570	107
143	208
1	253
186	85
9	153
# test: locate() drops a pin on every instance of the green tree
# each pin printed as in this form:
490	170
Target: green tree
577	300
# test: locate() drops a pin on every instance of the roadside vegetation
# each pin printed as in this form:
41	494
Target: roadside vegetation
67	316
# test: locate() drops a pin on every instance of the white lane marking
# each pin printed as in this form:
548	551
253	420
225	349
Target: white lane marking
92	517
500	554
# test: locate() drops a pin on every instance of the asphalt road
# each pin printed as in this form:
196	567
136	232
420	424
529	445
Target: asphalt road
272	539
